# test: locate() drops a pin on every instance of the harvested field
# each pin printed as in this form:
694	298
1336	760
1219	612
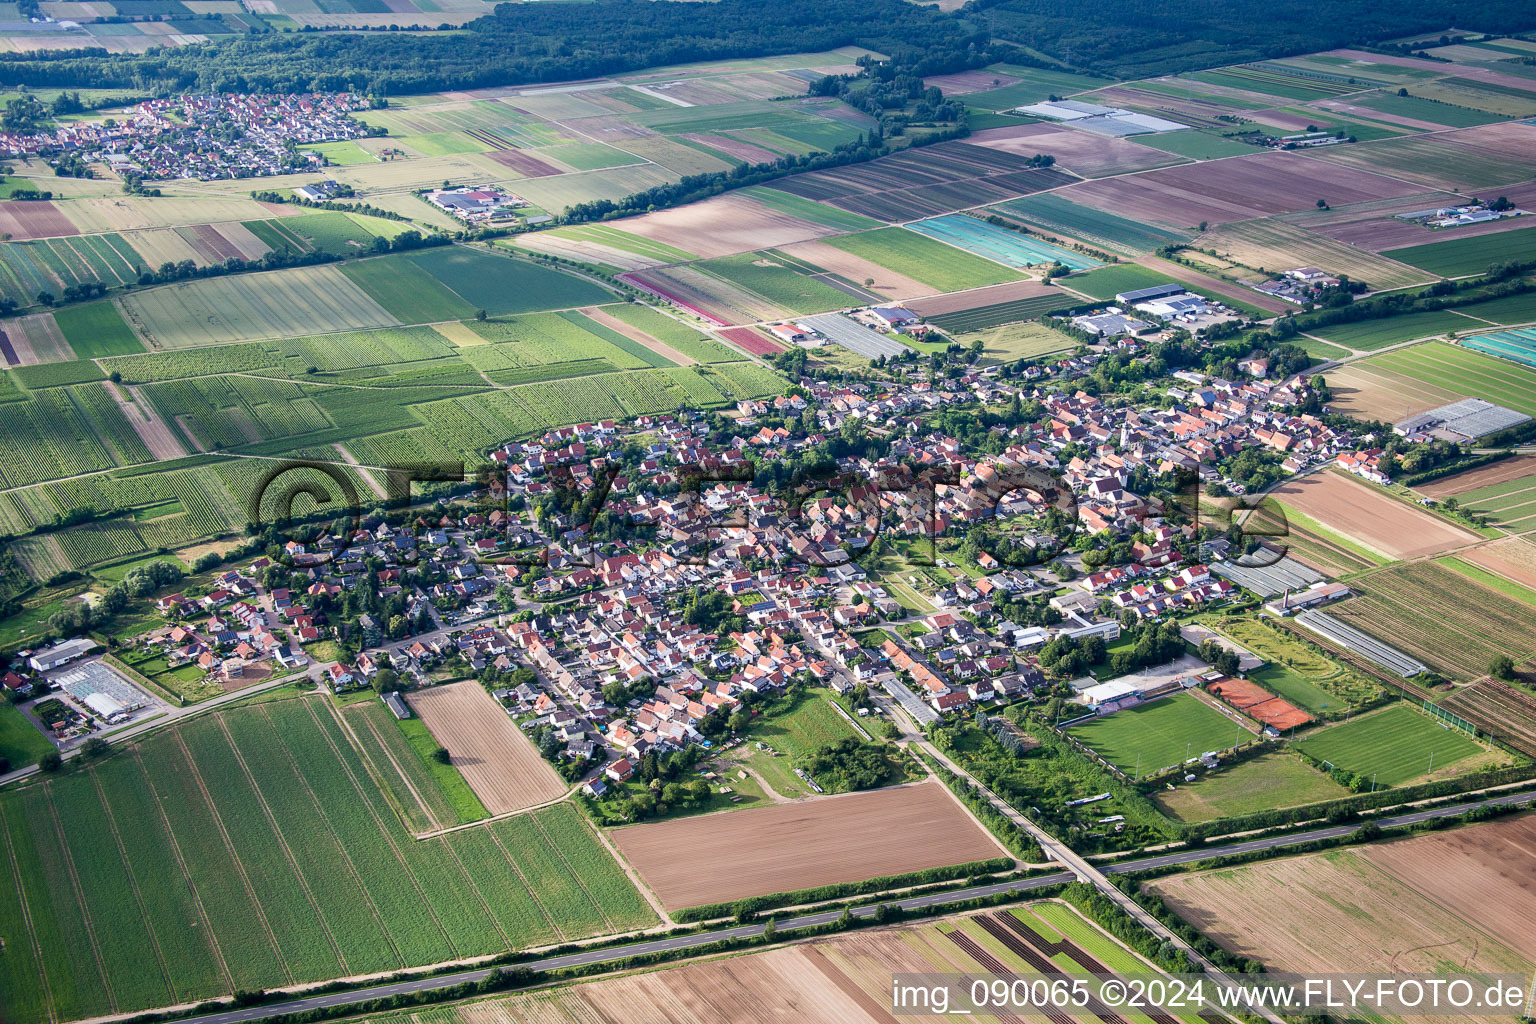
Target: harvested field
1082	153
723	226
807	843
1452	623
1367	514
1513	558
886	283
34	218
125	213
1259	704
1273	244
1503	471
1240	188
37	339
496	759
1414	905
975	298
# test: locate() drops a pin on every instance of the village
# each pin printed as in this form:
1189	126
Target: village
202	137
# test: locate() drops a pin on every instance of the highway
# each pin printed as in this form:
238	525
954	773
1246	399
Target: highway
809	920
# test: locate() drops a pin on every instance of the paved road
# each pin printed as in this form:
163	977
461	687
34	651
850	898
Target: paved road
678	942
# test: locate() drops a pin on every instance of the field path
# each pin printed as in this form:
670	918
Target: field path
345	856
26	916
181	864
133	885
277	832
368	477
234	855
152	430
383	829
635	334
85	908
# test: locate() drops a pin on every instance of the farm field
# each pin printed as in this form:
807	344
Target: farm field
1397	384
427	796
486	746
1454	624
1010	248
723	226
1359	511
20	742
778	281
1018	341
1472	159
849	975
1273	245
800	845
1504	491
1517	345
1407	906
1501	710
96	329
1513	558
1195	145
868	276
250	307
924	259
1269	781
1459	257
406	292
1394	745
1053	212
1106	282
501	285
981	318
1159	734
1369	335
262	828
1236	189
1080	152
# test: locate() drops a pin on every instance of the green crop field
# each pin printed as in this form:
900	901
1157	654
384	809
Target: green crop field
1159	734
1033	85
1368	335
924	259
1428	110
1057	214
20	742
1511	309
1394	745
1018	341
409	294
250	849
1107	282
775	281
1473	255
96	329
1196	145
1462	371
1267	782
502	284
330	231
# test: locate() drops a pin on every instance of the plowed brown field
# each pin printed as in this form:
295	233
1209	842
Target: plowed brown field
1363	512
1500	472
714	858
496	759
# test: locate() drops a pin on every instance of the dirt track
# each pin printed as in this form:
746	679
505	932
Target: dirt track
496	759
734	854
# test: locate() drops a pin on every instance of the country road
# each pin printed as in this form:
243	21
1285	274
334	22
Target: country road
802	921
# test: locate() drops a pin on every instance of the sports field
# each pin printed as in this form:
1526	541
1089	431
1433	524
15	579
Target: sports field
1159	734
924	259
1266	782
250	849
1395	745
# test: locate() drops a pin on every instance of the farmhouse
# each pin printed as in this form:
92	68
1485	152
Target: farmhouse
474	205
